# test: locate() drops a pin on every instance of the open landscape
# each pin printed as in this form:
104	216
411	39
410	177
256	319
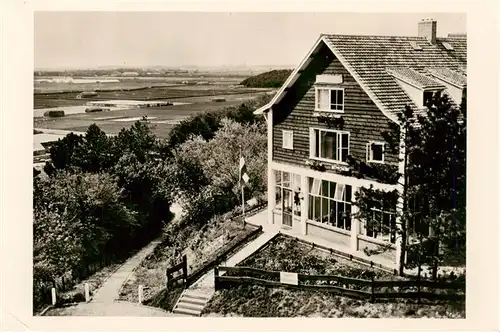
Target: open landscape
195	95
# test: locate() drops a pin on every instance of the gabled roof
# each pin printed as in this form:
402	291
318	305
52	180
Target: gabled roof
368	57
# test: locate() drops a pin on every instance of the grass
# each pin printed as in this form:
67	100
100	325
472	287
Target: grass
286	254
200	243
281	255
257	301
78	292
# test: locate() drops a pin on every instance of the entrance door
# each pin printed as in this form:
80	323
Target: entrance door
287	207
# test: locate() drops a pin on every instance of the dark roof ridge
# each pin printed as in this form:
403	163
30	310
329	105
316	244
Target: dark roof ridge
443	38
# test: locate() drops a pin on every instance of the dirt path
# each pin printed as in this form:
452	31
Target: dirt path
104	302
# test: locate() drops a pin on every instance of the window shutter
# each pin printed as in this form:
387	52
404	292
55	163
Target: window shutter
312	144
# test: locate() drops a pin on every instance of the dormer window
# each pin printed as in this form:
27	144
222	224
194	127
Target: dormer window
419	87
330	99
428	95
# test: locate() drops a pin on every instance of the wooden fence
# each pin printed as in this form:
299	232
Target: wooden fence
180	270
367	289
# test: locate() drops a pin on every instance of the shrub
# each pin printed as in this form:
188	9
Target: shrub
54	114
95	109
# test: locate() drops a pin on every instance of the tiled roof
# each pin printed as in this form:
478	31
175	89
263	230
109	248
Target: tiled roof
368	57
414	78
456	77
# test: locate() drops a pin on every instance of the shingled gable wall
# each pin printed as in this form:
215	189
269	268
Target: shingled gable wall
362	118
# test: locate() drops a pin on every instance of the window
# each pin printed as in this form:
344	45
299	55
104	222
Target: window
288	192
329	145
375	152
330	203
429	95
330	100
381	223
288	139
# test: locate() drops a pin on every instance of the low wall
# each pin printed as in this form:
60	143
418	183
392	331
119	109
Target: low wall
328	233
371	244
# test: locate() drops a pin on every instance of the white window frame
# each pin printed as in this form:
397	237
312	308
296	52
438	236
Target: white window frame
284	133
378	230
339	198
330	89
369	152
312	145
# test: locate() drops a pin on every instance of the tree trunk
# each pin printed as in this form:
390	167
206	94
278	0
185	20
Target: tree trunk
402	257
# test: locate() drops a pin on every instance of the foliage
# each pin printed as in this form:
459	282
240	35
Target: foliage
104	197
332	121
270	79
258	301
316	165
434	184
385	173
54	114
206	124
207	173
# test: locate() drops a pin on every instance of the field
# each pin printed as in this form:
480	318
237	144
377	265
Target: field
197	98
129	83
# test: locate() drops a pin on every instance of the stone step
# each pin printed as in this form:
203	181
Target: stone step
196	295
190	306
188	312
195	301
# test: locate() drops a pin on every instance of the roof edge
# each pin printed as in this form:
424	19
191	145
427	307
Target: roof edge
291	79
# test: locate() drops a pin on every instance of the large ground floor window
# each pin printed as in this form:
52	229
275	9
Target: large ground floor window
381	225
287	195
330	203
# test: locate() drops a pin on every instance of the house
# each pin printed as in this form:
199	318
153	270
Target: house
130	74
335	104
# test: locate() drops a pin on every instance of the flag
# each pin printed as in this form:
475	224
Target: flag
243	170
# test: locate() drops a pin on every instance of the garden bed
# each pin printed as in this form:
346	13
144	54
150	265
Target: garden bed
288	255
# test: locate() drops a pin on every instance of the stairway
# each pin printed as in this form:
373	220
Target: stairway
191	303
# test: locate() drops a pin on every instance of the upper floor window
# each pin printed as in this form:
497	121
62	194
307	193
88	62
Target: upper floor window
288	139
329	99
375	152
329	145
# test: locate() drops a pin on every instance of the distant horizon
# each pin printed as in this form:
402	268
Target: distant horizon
109	67
76	40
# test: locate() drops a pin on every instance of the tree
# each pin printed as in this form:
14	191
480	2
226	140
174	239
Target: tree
96	151
138	140
62	153
75	216
433	194
207	173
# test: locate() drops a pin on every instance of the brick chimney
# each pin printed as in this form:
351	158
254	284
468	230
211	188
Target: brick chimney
428	28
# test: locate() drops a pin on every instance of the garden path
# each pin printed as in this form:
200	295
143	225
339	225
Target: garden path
103	302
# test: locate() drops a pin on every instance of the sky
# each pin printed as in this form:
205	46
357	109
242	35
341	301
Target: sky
206	39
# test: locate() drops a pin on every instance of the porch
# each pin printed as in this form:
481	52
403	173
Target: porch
261	219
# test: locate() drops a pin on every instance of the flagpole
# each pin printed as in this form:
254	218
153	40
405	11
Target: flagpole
242	193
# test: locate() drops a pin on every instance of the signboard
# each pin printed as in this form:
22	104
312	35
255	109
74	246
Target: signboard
330	79
289	278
